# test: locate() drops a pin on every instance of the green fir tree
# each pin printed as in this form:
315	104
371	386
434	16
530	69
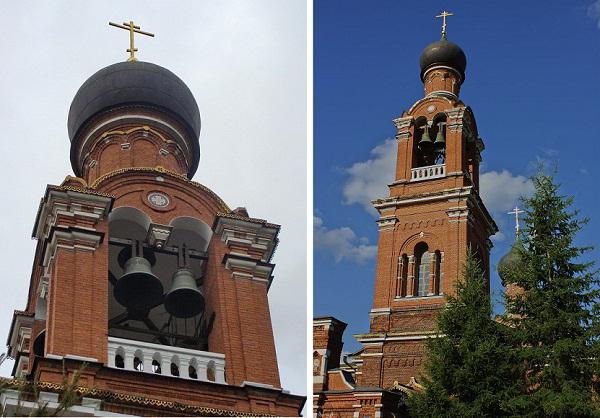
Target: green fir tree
552	318
468	364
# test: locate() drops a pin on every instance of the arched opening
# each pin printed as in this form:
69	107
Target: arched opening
156	363
120	358
422	261
438	135
423	144
175	366
193	369
211	371
138	361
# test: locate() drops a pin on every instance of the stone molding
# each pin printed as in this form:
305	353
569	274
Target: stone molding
243	267
79	207
253	235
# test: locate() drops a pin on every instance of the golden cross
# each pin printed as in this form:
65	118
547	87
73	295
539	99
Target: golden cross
443	16
131	28
516	211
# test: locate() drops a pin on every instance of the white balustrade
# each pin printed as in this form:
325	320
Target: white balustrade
429	172
157	359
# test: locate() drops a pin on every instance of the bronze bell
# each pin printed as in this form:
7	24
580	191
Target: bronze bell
440	141
425	142
184	300
138	289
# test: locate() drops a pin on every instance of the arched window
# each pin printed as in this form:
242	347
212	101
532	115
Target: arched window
422	261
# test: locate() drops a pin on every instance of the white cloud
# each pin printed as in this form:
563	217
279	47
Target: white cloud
594	12
342	243
368	180
501	190
498	237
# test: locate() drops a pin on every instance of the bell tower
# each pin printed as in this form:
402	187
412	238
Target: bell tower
432	215
142	275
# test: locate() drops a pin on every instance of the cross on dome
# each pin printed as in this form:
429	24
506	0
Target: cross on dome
132	29
516	211
443	15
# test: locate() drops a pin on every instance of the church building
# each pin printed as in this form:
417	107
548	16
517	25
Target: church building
431	217
144	281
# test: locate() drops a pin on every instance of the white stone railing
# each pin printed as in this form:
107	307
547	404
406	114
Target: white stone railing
158	359
429	172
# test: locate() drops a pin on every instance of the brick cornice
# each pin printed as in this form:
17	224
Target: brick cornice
81	206
247	234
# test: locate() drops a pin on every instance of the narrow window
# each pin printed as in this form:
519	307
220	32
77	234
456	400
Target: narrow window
438	272
422	259
402	276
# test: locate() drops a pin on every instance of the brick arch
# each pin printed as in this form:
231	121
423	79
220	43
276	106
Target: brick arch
421	105
145	152
433	243
108	157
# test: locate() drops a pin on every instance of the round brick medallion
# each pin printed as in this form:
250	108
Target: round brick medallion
160	200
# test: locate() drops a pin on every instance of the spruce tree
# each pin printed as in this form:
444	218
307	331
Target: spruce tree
552	317
468	364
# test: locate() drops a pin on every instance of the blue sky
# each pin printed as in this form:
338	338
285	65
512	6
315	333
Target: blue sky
531	79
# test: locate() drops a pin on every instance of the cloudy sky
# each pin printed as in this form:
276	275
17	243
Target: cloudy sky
530	79
245	62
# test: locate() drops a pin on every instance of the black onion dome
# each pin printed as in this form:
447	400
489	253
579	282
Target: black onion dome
446	53
135	82
511	261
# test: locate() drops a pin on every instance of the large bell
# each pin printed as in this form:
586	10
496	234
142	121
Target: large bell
184	300
440	141
425	142
138	289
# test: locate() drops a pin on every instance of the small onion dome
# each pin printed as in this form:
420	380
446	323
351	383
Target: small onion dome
135	83
445	53
511	261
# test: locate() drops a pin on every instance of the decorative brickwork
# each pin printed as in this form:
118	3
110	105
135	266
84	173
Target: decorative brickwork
133	204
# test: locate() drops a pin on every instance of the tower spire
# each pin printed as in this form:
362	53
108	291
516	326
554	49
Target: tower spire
443	15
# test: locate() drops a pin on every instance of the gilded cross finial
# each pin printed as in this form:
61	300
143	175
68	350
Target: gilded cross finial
443	15
516	211
132	29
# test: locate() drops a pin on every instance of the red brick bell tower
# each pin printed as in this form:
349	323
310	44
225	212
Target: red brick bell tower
144	275
432	215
